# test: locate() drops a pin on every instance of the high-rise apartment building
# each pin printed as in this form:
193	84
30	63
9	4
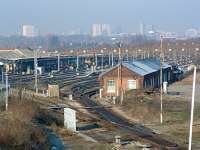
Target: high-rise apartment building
96	30
29	31
106	29
101	29
142	29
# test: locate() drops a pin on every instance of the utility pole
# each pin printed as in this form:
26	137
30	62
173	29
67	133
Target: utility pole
192	109
35	67
122	92
120	89
161	79
118	76
6	94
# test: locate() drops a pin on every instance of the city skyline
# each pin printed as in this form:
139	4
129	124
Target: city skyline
59	17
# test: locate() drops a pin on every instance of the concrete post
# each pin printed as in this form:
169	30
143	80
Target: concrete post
70	97
117	139
70	119
165	90
100	93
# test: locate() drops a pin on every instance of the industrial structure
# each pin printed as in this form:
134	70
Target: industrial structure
140	74
17	61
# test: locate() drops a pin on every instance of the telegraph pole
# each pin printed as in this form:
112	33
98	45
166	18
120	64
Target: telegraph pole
161	79
192	109
120	90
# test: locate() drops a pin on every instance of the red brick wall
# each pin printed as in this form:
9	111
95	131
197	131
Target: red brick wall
126	75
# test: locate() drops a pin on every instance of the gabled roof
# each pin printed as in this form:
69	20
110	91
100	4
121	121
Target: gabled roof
142	67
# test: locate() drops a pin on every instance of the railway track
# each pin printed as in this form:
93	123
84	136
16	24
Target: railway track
57	78
80	88
107	114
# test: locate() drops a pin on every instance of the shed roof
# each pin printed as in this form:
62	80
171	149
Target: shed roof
142	67
12	54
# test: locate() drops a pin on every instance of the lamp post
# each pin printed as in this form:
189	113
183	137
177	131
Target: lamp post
182	57
127	55
102	60
120	88
161	79
196	54
2	78
96	60
58	62
156	50
112	60
139	50
84	55
6	94
77	63
115	51
192	109
170	55
35	67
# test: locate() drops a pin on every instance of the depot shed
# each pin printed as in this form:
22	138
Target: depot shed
141	74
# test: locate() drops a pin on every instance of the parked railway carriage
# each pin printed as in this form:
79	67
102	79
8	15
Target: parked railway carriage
134	75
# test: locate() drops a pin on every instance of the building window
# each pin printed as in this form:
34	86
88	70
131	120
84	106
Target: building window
132	84
111	86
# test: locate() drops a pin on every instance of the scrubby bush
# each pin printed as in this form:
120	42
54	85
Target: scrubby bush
17	127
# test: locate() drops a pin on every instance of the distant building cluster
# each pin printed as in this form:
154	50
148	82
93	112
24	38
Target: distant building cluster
101	29
151	31
148	30
29	31
192	33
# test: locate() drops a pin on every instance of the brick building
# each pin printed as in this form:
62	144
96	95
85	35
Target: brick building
142	74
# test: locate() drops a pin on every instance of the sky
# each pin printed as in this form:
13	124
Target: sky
58	16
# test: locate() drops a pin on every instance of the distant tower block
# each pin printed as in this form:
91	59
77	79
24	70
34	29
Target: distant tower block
70	119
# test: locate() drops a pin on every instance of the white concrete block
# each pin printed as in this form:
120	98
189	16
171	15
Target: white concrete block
70	119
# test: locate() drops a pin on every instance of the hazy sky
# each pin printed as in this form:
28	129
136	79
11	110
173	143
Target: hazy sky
61	15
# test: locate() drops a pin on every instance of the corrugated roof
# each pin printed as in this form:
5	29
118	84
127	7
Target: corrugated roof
13	54
143	67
